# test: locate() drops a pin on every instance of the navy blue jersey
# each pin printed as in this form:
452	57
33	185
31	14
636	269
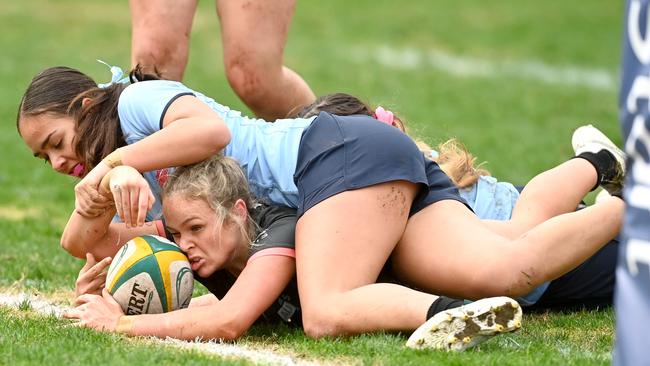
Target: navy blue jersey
277	227
632	274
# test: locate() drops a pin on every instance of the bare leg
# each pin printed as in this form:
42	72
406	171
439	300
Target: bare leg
161	35
447	250
254	33
341	245
551	193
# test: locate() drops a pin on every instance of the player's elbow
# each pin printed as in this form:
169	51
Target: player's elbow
229	330
233	333
70	246
233	324
222	136
217	137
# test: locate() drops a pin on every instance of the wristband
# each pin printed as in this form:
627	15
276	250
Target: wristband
113	159
125	324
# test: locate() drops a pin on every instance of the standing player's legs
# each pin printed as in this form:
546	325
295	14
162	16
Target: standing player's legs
632	274
161	35
342	243
254	33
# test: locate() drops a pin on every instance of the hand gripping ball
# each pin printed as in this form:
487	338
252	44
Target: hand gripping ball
150	275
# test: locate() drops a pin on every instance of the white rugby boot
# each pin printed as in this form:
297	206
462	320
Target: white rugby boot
589	139
468	325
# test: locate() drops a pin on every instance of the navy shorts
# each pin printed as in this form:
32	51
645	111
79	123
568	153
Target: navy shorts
342	153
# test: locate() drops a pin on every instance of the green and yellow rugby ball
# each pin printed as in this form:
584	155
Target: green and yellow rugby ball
150	275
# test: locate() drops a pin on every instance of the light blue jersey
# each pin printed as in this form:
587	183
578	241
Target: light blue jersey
266	151
488	198
491	199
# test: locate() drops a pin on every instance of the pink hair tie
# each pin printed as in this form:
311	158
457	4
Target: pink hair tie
385	116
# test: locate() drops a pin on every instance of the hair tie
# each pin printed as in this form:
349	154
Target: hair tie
117	76
385	116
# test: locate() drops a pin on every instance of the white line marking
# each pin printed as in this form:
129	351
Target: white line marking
412	59
41	305
225	350
36	303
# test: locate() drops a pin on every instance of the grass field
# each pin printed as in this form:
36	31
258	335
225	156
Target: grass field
510	81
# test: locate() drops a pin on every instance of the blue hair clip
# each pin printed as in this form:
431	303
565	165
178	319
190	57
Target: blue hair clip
117	76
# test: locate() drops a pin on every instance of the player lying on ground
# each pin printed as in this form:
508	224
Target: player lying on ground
591	284
363	190
243	252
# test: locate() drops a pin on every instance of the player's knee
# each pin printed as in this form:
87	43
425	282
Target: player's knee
167	59
316	325
251	81
322	321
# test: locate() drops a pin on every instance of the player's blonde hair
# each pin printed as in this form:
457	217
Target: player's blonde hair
454	159
220	182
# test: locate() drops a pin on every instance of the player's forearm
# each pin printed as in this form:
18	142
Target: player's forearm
205	322
204	300
83	234
181	143
100	235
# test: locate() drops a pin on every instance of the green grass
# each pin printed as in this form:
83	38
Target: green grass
518	124
569	339
36	340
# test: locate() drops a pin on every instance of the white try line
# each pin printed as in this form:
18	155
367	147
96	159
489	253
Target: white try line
34	302
412	59
43	306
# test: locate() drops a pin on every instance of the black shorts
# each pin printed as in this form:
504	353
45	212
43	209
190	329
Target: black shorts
339	154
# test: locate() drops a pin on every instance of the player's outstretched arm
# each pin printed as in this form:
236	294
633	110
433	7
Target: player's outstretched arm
204	300
257	287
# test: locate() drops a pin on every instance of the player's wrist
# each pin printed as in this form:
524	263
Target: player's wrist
125	324
113	159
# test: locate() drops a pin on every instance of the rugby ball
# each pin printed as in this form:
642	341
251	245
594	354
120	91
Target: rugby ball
150	275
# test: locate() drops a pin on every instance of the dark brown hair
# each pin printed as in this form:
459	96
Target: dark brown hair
341	104
453	158
61	90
